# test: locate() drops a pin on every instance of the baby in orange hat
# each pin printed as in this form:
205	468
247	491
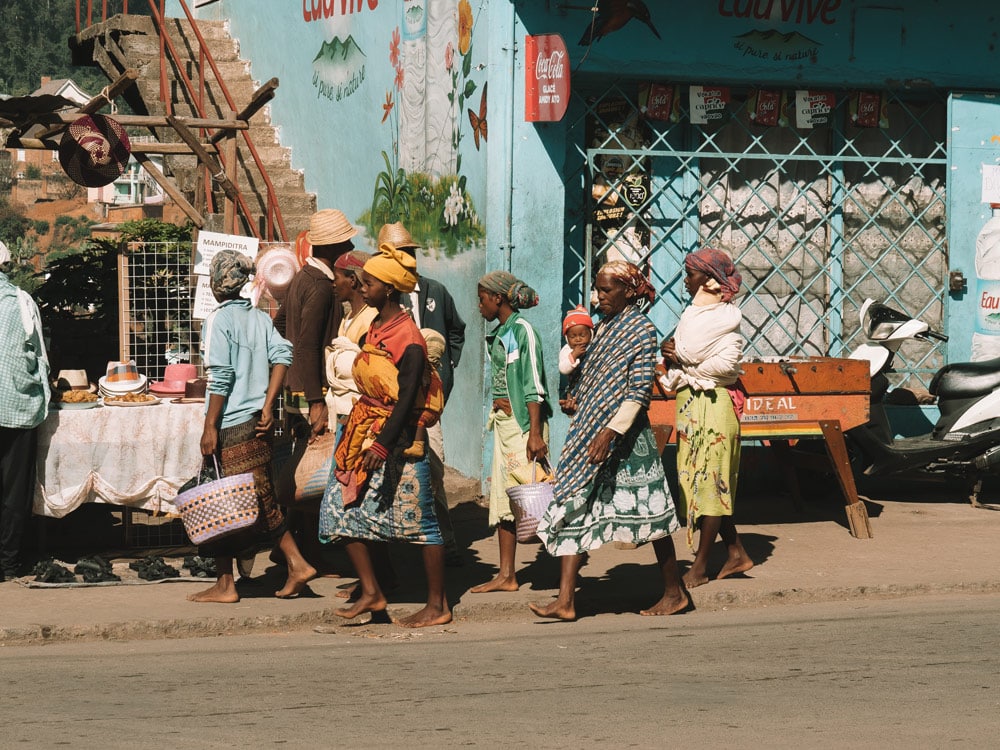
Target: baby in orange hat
578	328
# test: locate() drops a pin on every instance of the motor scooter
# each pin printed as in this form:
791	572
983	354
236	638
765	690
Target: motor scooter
965	442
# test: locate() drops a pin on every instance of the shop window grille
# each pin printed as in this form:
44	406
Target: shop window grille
156	297
816	219
155	300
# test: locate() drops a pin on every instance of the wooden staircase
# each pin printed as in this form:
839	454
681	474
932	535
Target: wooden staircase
125	42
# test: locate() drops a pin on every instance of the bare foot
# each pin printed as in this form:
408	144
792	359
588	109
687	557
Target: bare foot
296	581
350	593
739	564
555	611
426	618
500	583
221	594
693	581
669	606
364	604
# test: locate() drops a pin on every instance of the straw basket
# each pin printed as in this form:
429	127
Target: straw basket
218	508
528	503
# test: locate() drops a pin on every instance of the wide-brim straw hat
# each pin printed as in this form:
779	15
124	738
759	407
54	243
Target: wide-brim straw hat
396	235
74	380
275	270
94	150
329	227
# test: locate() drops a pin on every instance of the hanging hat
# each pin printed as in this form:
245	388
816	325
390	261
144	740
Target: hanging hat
329	227
94	150
74	380
175	378
397	235
275	270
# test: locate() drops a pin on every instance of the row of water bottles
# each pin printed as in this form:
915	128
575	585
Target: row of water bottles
986	336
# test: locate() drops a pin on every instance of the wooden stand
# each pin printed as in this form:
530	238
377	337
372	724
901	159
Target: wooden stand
818	397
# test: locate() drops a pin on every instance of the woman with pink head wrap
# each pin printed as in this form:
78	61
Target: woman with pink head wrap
703	360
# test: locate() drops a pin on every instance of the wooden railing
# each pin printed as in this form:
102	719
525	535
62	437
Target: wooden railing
274	223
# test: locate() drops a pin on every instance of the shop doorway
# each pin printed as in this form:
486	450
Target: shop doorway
817	219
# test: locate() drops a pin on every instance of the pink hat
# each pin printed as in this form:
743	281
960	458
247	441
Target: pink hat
578	316
175	379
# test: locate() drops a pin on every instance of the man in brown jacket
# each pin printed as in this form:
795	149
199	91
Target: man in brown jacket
309	318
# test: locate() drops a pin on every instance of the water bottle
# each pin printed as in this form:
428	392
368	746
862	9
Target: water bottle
986	336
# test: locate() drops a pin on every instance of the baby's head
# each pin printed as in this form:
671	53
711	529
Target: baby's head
578	326
435	345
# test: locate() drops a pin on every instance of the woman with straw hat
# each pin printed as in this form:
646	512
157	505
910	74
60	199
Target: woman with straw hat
377	493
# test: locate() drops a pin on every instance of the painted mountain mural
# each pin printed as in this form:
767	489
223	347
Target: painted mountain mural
775	41
339	68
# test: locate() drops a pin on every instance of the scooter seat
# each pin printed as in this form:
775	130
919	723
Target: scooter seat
966	379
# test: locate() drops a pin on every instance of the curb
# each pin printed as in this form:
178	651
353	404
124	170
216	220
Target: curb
481	611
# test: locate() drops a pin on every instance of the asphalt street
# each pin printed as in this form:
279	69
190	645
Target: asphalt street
917	672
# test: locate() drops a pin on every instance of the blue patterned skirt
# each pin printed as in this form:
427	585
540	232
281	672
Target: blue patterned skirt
398	506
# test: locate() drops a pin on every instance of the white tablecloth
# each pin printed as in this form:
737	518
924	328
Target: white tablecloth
134	456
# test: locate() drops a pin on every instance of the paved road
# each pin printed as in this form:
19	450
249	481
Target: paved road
904	673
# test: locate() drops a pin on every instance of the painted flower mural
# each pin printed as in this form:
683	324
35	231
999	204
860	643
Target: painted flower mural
429	195
464	27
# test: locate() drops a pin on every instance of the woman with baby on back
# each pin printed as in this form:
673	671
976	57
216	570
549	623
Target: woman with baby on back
703	361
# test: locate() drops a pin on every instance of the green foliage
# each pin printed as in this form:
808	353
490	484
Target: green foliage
392	193
13	224
33	172
41	226
81	282
154	230
439	215
33	36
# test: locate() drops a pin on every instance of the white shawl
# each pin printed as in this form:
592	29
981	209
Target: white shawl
708	346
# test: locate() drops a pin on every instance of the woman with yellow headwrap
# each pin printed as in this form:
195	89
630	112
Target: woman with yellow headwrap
378	494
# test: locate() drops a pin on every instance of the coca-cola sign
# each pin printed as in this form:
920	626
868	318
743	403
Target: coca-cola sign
546	74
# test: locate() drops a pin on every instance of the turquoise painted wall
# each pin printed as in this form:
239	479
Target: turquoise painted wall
517	179
363	78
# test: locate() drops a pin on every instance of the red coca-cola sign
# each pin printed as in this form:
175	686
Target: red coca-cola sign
546	78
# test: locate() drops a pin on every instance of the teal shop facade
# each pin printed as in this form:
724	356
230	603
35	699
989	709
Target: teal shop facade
835	148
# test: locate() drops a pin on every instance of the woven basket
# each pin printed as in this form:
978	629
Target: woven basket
218	508
528	503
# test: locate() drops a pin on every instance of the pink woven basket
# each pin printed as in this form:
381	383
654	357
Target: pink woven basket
218	508
528	503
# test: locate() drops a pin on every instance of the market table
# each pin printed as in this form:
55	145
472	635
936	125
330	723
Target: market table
793	399
136	457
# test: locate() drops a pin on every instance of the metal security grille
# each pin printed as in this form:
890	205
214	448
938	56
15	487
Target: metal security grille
155	306
816	219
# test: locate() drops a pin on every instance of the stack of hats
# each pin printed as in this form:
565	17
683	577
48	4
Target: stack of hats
122	378
174	381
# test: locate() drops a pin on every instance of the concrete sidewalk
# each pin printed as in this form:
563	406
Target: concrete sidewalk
926	545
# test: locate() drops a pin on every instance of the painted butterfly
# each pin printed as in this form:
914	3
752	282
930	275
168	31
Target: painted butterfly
479	121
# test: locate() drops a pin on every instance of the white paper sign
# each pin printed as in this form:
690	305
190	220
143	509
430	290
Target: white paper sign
991	183
204	300
209	243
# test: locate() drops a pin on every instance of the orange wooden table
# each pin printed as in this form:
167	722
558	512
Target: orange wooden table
813	397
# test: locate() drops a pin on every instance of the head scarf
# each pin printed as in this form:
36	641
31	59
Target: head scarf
352	261
436	344
578	316
520	295
229	271
392	266
631	277
719	266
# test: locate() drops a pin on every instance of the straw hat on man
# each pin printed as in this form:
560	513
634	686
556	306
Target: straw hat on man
308	319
